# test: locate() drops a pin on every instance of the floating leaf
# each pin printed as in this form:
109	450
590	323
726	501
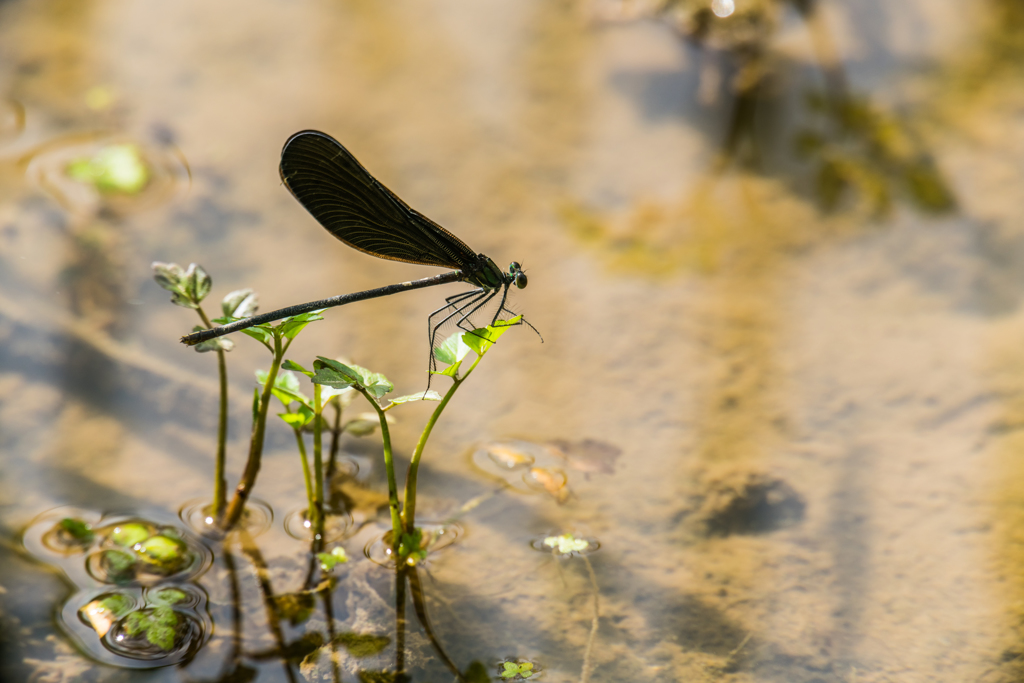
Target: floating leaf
566	544
81	532
167	596
128	535
114	168
329	561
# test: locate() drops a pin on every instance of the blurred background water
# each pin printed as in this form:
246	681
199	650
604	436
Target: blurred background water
773	247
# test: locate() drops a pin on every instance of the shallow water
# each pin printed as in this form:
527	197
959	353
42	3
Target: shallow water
792	411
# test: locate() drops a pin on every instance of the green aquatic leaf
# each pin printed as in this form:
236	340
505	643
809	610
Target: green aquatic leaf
241	303
161	636
511	669
77	529
566	544
114	168
164	551
117	604
127	535
329	561
167	596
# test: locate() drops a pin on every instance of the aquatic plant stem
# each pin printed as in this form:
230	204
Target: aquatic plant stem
332	463
318	464
252	466
409	509
220	482
305	470
587	664
389	466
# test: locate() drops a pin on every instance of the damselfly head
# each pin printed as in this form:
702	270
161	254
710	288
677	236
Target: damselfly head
515	271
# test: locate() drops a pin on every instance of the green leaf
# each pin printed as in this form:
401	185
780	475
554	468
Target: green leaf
197	283
135	623
166	596
299	419
114	168
76	529
429	395
333	374
241	303
261	334
291	327
163	615
482	339
117	604
168	275
510	670
161	636
329	561
292	365
450	371
375	383
163	550
183	300
452	350
128	535
216	344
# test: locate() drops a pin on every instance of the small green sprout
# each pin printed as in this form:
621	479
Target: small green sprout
517	670
329	561
114	168
566	544
411	550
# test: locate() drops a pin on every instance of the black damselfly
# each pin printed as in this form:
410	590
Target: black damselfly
357	209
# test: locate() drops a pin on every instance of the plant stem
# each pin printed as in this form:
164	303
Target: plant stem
389	466
305	471
335	439
318	464
220	482
252	466
409	509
